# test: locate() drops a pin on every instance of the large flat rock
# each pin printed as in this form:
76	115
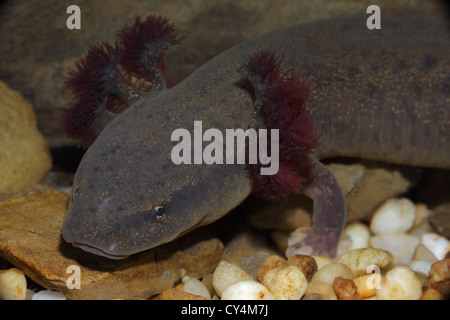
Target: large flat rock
30	239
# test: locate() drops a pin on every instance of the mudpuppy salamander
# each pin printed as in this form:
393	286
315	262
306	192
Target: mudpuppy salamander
333	88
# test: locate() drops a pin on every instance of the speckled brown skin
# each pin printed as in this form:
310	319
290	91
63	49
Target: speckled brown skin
376	94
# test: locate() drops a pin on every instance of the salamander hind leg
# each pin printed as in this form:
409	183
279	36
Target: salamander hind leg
280	98
329	213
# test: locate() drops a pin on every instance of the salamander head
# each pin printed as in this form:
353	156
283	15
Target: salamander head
125	201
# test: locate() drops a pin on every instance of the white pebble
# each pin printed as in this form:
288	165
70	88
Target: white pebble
344	244
437	244
226	274
420	266
247	290
359	234
400	283
360	260
195	286
401	246
321	288
13	285
286	283
322	261
328	273
48	295
393	216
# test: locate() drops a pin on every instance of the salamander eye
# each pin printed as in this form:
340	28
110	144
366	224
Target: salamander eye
159	212
75	193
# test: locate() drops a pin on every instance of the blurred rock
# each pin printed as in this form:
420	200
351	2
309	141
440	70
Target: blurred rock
365	188
176	294
401	245
240	240
13	285
345	289
400	283
440	277
39	48
440	219
24	154
30	238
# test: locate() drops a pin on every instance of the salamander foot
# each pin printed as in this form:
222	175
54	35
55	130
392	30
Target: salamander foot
328	216
308	242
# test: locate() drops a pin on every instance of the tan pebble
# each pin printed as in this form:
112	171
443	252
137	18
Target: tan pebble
431	294
331	271
424	281
179	286
322	289
400	283
247	290
393	216
367	284
401	245
322	261
422	213
29	295
13	285
371	298
419	266
207	281
226	274
195	286
313	296
360	260
345	289
270	263
421	229
24	154
306	264
280	238
177	294
422	253
359	234
440	277
437	244
286	283
344	244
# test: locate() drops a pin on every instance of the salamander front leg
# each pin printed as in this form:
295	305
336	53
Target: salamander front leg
328	216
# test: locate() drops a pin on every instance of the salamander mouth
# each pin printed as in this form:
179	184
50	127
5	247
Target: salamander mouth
98	252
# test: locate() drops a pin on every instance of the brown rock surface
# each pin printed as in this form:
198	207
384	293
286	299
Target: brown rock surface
30	239
440	277
24	154
365	188
440	219
176	294
345	289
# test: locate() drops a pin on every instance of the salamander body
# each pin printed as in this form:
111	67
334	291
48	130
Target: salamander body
375	94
